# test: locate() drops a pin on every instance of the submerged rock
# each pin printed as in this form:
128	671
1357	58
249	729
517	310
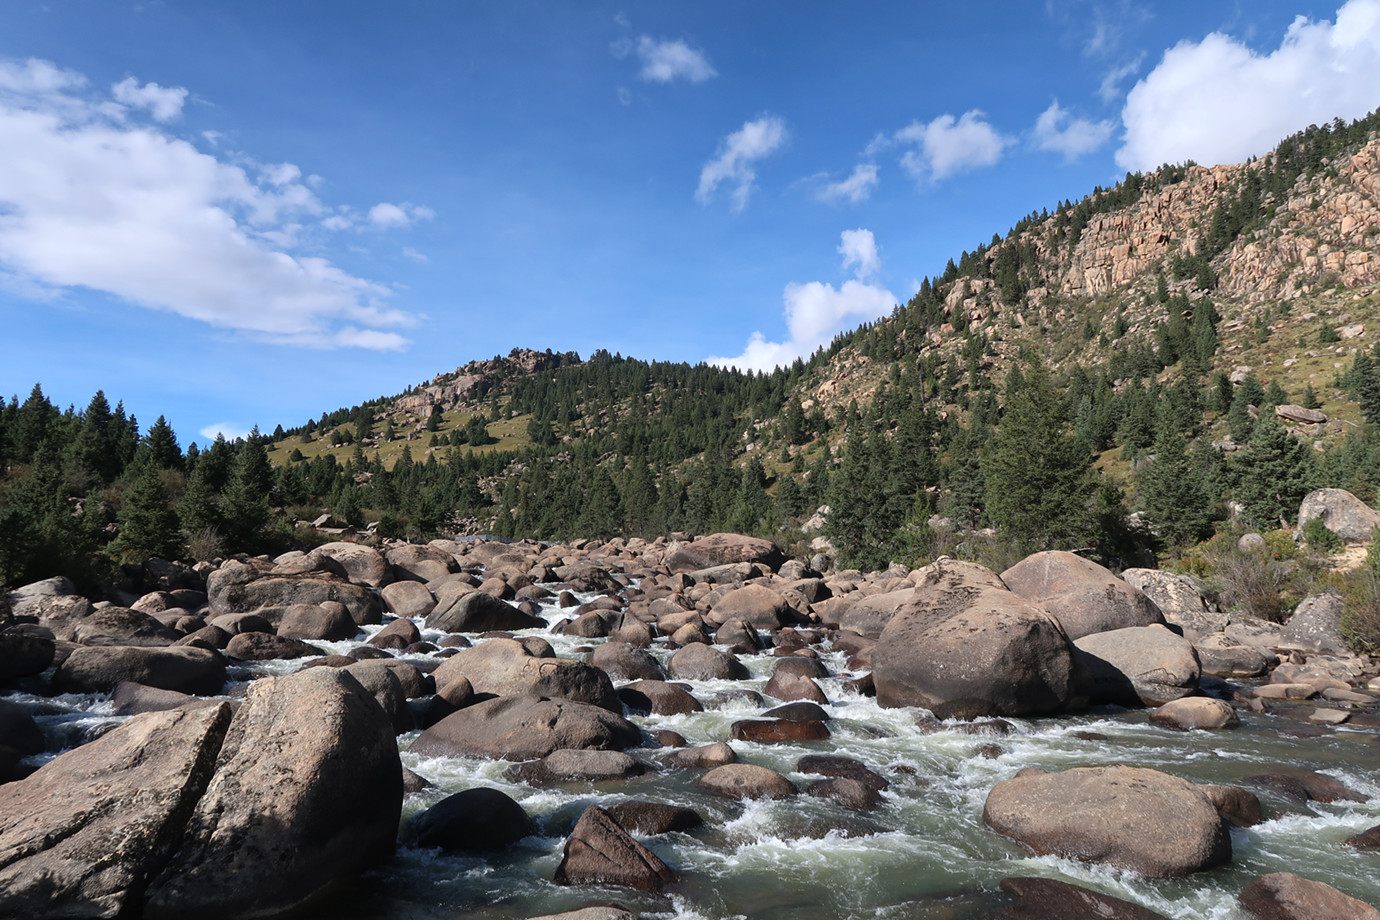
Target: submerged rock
600	852
474	820
1286	896
1051	899
526	728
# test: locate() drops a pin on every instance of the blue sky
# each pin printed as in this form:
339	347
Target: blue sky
239	213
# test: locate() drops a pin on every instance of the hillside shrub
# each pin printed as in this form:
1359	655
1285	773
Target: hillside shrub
1317	536
1361	601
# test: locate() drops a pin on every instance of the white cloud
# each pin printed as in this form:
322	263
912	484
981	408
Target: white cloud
1217	101
1058	130
856	188
412	254
385	215
231	430
816	312
163	103
1110	88
89	199
946	146
665	61
859	248
737	158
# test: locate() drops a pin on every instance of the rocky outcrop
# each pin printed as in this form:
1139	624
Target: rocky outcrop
1083	596
1341	512
964	646
725	549
1316	624
1131	818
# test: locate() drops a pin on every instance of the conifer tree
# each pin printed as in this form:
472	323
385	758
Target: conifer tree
148	525
1173	494
162	445
1275	472
245	506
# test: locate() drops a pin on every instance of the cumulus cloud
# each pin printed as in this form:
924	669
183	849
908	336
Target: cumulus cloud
386	216
90	198
1058	130
1218	101
1110	88
162	103
735	165
856	188
947	145
816	311
666	60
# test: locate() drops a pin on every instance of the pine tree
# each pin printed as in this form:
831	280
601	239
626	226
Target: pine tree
1275	472
1039	477
1172	493
148	525
245	506
162	444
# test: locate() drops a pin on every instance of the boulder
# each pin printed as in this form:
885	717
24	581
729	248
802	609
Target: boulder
1083	596
505	667
270	597
478	612
1341	512
777	731
654	818
1220	656
130	699
737	634
788	686
835	765
420	563
1286	896
1181	600
1132	818
658	696
756	604
1052	899
699	758
704	662
59	613
869	615
363	565
725	549
621	661
98	669
567	766
398	634
1316	625
299	746
24	652
598	912
83	835
328	622
963	647
19	733
262	646
1237	806
122	626
1366	840
1140	665
525	728
408	599
746	781
475	820
600	852
383	685
1192	712
1300	415
849	793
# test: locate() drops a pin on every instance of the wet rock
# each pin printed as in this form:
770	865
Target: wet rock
298	747
526	728
82	836
260	646
98	669
1237	806
413	782
788	686
834	765
506	667
622	661
600	852
1341	512
777	731
398	634
846	792
1145	665
699	758
1366	840
1132	818
1304	786
478	612
1195	712
652	818
19	733
964	646
800	711
669	739
328	622
1286	896
475	820
739	635
24	652
746	781
704	662
568	766
660	697
1051	899
408	599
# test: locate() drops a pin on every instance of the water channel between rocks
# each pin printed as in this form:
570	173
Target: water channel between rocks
925	853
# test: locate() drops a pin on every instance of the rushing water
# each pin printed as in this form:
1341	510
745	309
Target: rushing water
924	853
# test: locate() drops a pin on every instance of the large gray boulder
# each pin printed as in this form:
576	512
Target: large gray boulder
363	564
408	599
83	835
1316	625
477	611
703	662
97	669
1341	512
122	626
1286	896
61	614
1181	600
1140	665
420	563
25	651
525	728
964	647
1132	818
307	794
474	820
870	615
756	604
271	597
505	667
725	549
1083	596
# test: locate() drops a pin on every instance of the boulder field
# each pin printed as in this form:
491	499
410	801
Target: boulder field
213	778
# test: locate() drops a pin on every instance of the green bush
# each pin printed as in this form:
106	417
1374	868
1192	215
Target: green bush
1316	535
1361	601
